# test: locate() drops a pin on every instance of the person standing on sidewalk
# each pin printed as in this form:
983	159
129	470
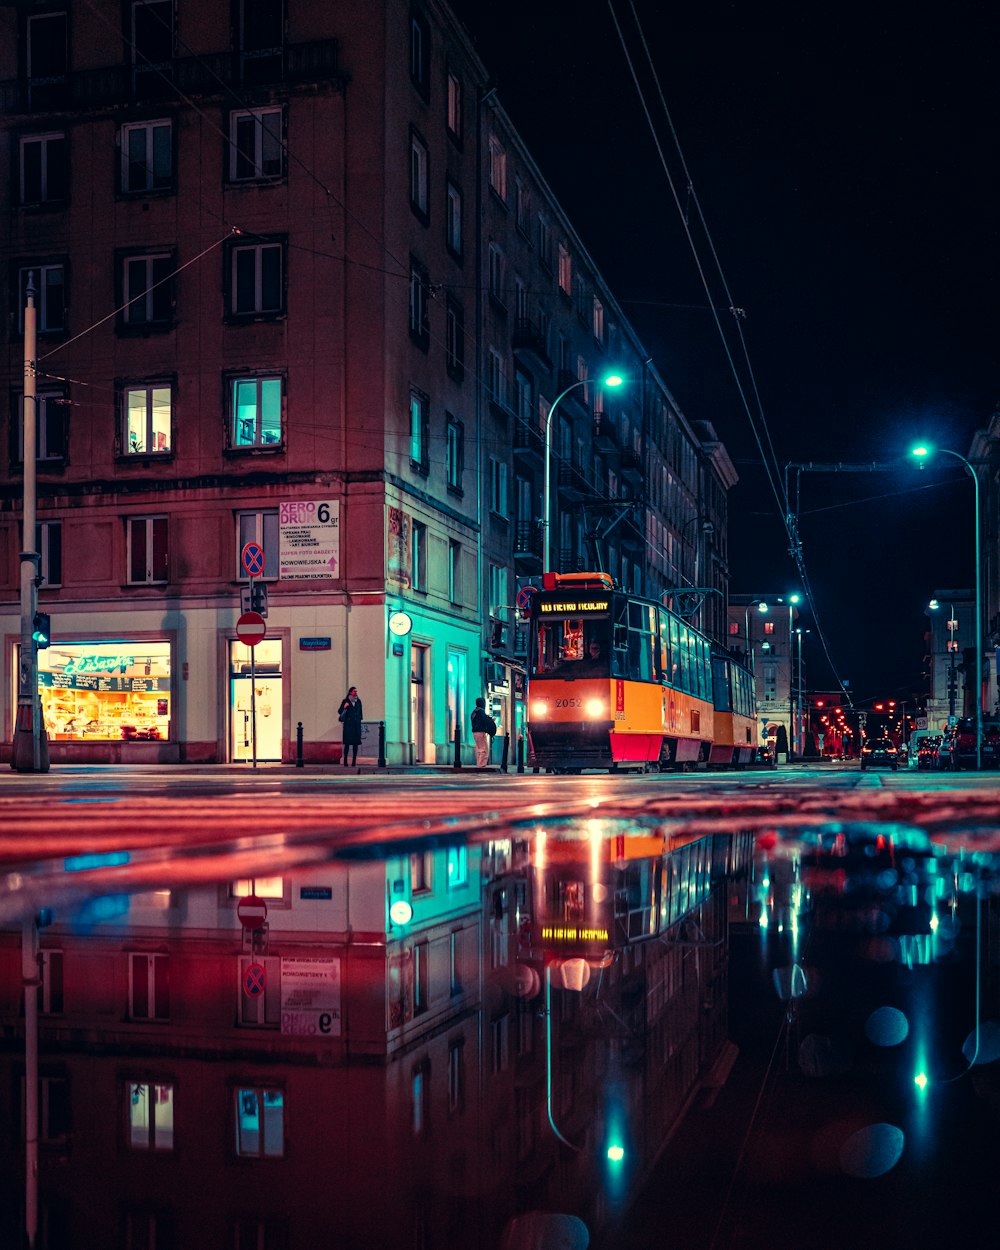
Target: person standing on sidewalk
350	714
483	729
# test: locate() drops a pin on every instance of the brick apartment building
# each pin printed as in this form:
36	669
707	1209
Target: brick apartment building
299	282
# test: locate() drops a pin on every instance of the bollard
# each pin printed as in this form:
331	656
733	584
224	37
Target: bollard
505	753
520	753
458	747
381	744
298	746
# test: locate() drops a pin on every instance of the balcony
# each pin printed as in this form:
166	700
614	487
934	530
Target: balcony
578	395
571	562
213	74
605	434
528	440
528	546
632	469
573	485
529	341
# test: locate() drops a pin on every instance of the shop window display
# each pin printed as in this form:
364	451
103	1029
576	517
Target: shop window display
106	691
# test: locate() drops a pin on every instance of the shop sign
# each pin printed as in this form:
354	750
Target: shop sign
101	681
309	539
310	997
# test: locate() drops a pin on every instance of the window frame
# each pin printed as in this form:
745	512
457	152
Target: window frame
418	557
420	176
497	168
419	426
42	268
44	531
264	245
150	127
151	1145
157	989
453	219
259	1093
499	488
420	53
148	386
419	310
153	531
46	163
454	339
259	443
261	134
156	296
260	535
46	423
454	452
454	572
453	107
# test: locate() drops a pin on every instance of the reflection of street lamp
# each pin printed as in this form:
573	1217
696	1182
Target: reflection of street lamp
612	380
922	452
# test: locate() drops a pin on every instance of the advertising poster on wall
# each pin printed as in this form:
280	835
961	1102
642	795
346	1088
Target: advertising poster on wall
398	555
310	996
309	539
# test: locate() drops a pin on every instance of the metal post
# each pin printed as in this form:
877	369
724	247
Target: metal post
802	728
978	687
31	979
951	659
381	744
30	748
520	753
298	745
253	692
458	747
547	478
504	753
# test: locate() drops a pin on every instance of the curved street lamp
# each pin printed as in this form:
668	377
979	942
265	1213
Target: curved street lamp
921	453
610	380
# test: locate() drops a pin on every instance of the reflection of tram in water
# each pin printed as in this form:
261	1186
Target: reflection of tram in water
594	895
615	679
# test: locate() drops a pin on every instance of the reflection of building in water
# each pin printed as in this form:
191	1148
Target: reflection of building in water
373	1059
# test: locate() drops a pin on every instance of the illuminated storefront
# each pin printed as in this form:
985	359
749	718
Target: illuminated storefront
106	691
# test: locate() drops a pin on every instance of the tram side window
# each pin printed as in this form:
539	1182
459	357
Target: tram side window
678	677
665	668
705	668
723	699
641	652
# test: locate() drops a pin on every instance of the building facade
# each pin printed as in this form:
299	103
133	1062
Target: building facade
300	284
762	629
951	664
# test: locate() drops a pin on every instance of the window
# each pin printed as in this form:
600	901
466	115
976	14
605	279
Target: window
420	872
47	60
769	627
598	320
50	297
147	550
419	163
544	242
454	107
150	1116
522	206
455	452
734	628
454	340
51	408
456	1076
53	1109
147	156
43	169
420	1093
152	40
520	299
454	572
497	379
148	290
255	411
256	279
453	221
524	396
498	487
261	40
498	592
260	1123
498	267
419	429
260	528
147	413
455	964
498	168
50	992
565	270
419	319
418	556
256	150
421	972
149	983
420	53
48	543
458	867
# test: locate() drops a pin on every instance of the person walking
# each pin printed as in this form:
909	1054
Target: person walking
350	714
483	729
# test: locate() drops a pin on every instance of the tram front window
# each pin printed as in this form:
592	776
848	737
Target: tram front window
572	647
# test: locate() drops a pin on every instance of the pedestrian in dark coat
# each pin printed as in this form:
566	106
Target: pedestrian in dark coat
350	714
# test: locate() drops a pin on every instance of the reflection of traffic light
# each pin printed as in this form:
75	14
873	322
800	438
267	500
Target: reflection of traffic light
40	631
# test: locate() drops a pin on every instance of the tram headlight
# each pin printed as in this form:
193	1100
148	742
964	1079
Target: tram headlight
595	708
539	709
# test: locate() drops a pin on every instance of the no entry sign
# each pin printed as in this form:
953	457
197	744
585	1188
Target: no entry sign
252	911
250	628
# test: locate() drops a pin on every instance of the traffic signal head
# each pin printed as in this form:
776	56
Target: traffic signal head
40	630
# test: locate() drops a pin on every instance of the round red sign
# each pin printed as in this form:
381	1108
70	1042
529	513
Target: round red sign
252	911
250	628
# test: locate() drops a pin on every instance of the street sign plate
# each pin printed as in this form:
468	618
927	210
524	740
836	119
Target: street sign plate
250	628
253	559
254	980
252	911
524	597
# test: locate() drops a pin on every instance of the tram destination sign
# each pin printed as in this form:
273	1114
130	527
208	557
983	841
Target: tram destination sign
559	608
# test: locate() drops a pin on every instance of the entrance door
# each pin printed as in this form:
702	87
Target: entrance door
419	666
265	704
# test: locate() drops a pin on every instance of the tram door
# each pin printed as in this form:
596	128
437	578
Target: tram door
266	703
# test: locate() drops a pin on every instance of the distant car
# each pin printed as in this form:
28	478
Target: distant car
927	752
959	745
879	753
765	755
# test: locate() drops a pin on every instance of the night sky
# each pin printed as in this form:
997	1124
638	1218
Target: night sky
844	160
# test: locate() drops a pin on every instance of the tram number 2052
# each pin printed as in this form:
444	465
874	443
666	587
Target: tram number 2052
569	703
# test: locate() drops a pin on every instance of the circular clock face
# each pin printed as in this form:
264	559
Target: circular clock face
400	623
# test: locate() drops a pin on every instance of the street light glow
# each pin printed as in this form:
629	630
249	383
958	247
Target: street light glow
614	379
920	451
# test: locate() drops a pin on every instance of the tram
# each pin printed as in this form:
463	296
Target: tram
618	680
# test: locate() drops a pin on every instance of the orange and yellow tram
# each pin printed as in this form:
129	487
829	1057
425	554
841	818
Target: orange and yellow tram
617	680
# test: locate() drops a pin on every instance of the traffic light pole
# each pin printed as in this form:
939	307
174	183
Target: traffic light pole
30	748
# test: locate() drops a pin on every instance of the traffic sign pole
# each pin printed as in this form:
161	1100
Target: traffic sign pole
252	556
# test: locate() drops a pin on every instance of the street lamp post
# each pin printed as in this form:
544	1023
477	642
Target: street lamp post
922	452
612	380
792	738
952	628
